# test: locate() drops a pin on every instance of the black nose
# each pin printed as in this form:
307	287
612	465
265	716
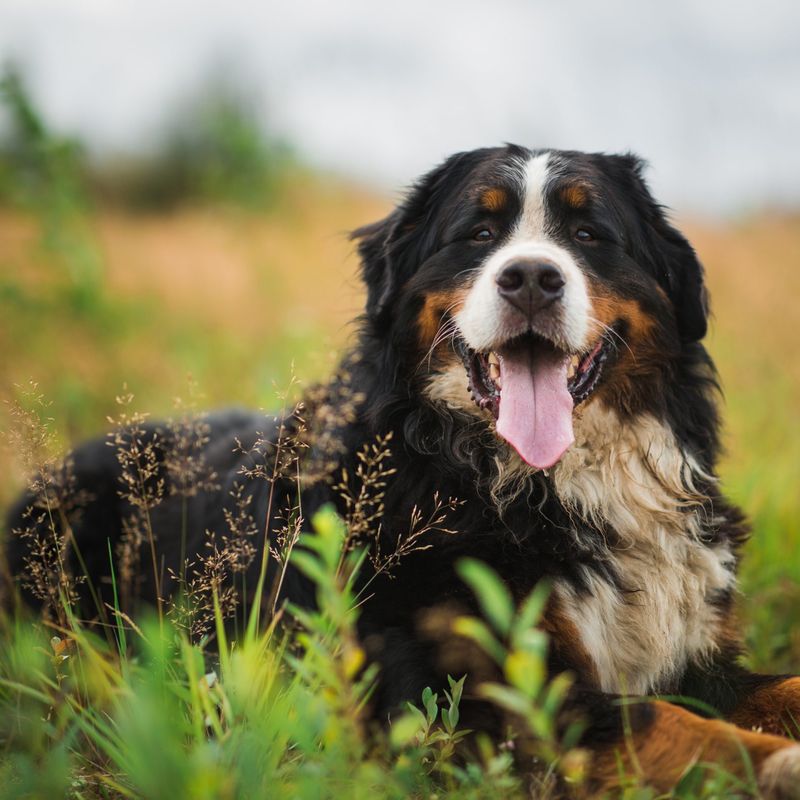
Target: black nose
530	285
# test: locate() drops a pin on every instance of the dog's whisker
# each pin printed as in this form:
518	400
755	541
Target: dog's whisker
446	331
608	329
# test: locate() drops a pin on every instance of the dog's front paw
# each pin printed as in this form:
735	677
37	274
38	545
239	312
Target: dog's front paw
779	776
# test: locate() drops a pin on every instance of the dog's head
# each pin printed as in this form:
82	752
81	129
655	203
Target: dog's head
521	285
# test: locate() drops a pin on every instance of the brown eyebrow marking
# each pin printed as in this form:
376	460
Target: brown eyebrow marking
494	199
575	195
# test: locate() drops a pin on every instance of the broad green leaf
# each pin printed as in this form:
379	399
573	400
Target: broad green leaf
531	610
412	709
556	692
507	697
532	641
494	598
405	729
525	672
456	687
479	632
311	567
431	702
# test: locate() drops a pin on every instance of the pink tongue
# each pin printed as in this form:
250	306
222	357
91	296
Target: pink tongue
535	405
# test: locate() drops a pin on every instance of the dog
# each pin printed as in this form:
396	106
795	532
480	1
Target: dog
531	348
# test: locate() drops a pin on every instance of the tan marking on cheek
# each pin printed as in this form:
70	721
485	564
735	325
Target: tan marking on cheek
494	199
608	308
575	195
436	305
640	357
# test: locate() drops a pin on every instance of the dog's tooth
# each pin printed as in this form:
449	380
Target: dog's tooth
572	367
494	371
492	358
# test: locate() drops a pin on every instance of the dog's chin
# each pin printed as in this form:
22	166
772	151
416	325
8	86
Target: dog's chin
530	387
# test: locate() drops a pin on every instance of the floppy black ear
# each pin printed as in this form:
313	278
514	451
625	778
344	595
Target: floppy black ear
392	249
376	243
673	259
684	277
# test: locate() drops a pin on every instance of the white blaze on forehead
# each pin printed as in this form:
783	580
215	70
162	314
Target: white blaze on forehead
535	176
486	320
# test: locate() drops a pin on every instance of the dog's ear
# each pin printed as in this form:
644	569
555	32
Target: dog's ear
376	248
672	258
684	278
392	249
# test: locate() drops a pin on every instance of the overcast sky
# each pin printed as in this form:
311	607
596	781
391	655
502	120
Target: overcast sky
708	92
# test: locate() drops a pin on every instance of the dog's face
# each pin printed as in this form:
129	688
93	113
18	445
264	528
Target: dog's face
518	285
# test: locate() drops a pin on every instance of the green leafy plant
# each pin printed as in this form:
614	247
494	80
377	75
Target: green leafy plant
519	648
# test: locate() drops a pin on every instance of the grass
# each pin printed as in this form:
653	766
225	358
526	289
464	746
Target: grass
240	301
279	712
232	299
93	299
753	279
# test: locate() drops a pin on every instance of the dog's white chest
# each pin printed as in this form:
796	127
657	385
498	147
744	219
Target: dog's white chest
634	478
639	638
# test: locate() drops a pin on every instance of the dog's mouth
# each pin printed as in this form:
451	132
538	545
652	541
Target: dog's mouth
531	388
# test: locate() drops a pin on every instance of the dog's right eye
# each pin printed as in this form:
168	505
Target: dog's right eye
483	235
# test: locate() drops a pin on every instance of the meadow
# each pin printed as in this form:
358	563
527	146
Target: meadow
239	300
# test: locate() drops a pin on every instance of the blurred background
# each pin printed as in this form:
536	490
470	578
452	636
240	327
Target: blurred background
177	181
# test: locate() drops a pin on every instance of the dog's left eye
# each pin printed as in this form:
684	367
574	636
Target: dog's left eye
584	235
483	235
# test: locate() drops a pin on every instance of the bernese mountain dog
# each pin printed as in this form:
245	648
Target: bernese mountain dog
531	348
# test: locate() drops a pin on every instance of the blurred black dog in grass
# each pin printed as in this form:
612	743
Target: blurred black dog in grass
530	366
